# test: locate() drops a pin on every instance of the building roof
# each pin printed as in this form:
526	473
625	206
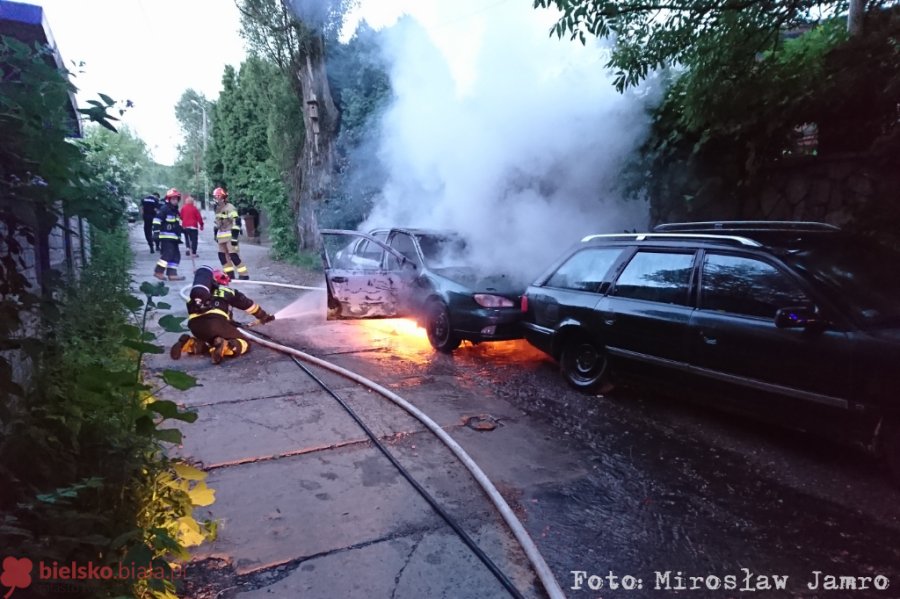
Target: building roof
28	24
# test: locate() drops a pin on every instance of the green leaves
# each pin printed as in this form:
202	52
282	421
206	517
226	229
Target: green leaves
143	347
172	323
70	492
179	380
154	289
169	410
648	36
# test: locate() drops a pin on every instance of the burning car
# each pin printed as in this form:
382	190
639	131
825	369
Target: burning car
422	274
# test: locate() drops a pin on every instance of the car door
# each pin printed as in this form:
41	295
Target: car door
646	314
569	295
408	259
359	281
734	337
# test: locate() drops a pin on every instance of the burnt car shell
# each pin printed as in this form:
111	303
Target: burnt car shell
399	280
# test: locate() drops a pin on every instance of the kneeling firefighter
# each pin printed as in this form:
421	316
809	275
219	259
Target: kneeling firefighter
209	317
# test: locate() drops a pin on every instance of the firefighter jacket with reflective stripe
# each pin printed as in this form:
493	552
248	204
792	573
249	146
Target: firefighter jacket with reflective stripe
168	223
228	223
149	206
220	302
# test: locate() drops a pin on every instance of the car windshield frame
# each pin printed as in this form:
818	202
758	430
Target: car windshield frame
853	273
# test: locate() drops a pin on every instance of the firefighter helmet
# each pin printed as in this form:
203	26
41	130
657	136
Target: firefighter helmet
173	193
219	193
221	278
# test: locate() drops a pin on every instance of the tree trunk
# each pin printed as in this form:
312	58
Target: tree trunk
316	163
856	14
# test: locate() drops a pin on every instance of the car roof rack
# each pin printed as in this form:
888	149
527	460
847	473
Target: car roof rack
736	239
747	225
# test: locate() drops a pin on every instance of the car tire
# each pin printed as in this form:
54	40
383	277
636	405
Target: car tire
892	450
584	364
439	328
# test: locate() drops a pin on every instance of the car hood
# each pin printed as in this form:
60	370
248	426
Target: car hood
479	283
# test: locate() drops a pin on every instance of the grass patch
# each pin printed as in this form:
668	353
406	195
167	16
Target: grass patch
303	259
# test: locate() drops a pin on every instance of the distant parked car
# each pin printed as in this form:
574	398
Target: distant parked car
418	273
132	213
797	321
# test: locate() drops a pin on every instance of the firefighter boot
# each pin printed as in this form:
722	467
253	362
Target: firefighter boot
180	346
220	346
198	348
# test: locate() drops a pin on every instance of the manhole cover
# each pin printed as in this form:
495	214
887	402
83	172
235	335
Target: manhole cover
482	422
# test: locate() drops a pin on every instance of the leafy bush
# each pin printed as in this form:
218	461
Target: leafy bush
86	476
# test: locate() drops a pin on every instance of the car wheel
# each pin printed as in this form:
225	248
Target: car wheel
583	363
439	329
892	450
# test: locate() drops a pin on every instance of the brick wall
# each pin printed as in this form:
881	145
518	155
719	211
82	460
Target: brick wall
61	248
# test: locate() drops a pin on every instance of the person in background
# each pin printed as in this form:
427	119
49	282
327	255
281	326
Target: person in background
191	221
167	229
149	205
227	229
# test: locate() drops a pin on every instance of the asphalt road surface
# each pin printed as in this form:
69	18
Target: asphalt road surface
635	494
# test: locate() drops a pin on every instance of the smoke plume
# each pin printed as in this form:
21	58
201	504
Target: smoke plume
510	137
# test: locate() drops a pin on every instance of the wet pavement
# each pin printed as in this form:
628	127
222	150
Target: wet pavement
639	489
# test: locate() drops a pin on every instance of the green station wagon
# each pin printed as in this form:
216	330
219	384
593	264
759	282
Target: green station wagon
796	321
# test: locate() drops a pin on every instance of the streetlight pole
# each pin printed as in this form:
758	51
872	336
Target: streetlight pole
205	139
205	172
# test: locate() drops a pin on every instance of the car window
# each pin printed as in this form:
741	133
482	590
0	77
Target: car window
404	244
746	286
860	275
585	270
370	251
656	277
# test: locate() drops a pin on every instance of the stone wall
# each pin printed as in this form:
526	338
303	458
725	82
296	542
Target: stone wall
848	190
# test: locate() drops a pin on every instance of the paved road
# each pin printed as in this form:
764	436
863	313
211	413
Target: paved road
633	484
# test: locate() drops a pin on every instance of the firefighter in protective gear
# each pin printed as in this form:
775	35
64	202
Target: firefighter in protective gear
149	205
167	229
209	318
227	230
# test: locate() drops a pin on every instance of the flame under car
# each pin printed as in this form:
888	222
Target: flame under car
418	273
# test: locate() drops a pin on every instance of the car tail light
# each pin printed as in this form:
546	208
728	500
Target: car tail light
487	300
524	304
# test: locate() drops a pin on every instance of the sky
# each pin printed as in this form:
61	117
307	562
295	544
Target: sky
149	52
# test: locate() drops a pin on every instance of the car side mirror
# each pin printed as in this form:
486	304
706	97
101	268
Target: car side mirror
796	317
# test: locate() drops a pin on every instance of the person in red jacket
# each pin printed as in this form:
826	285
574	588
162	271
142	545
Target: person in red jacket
191	220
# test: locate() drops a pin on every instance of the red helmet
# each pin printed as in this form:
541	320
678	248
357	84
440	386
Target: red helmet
218	192
221	278
173	193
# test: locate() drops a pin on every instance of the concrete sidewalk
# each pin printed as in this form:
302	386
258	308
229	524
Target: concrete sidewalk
308	507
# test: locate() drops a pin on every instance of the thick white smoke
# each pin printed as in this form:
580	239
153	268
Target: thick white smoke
506	135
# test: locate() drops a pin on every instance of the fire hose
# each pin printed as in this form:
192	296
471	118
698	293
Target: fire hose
548	580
